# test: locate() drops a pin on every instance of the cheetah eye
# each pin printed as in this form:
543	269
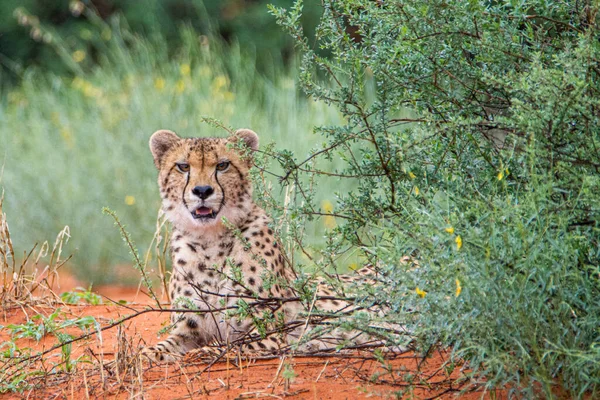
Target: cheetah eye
183	167
222	166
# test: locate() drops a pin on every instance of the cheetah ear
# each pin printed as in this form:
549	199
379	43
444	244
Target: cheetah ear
248	136
160	142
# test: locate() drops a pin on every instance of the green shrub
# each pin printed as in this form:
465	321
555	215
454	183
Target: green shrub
471	143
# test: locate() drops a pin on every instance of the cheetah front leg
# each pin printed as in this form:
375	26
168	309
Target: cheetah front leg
185	337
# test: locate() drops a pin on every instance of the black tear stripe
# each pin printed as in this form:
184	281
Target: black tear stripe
187	182
222	191
166	180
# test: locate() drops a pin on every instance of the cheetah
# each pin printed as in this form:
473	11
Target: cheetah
223	249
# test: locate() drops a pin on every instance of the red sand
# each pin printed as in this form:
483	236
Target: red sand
355	376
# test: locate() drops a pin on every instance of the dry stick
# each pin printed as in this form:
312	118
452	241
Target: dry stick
187	382
116	303
87	389
323	370
270	385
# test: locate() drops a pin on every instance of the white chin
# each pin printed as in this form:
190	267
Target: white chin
182	219
205	221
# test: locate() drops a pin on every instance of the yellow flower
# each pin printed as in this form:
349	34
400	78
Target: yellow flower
229	96
129	200
328	220
159	83
87	88
327	206
450	230
458	287
420	293
185	69
78	56
90	90
220	81
77	82
180	86
500	175
411	175
67	137
219	84
416	190
131	80
353	266
458	241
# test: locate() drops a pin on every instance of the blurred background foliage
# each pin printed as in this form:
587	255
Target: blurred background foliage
86	84
22	43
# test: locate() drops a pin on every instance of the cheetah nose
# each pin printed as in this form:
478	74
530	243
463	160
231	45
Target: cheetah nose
203	191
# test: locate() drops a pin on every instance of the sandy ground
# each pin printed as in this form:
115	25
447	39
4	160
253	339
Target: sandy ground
341	376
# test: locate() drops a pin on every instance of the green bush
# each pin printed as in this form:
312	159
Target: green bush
471	143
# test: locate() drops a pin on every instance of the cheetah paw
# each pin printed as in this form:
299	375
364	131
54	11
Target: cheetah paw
159	356
206	353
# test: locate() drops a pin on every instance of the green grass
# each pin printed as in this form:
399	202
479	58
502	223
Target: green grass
73	145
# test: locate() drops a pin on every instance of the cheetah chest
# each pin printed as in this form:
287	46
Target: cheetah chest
201	269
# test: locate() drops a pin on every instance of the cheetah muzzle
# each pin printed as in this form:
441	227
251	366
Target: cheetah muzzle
204	213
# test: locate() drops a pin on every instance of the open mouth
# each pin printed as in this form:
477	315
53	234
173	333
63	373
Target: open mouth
204	213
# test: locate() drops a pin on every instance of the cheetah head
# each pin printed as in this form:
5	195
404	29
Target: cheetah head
202	180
